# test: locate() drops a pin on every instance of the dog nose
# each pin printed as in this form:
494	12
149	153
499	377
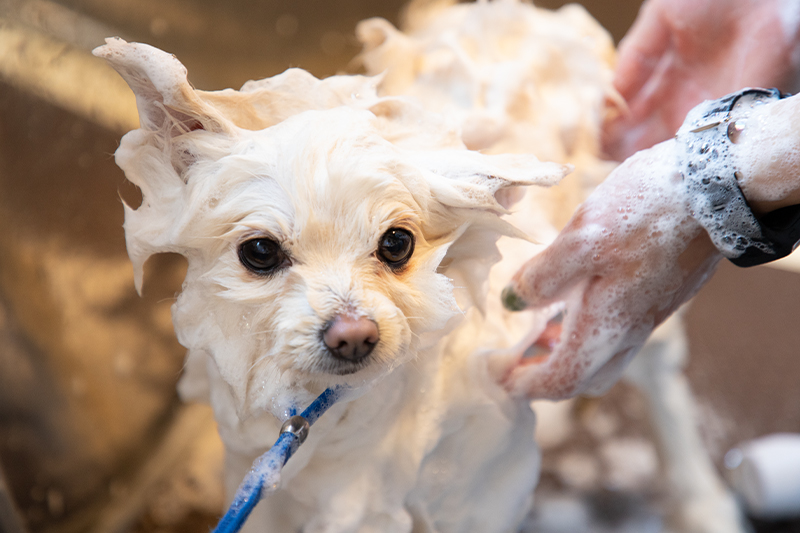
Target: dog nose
351	338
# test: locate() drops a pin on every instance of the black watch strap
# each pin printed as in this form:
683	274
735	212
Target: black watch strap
781	229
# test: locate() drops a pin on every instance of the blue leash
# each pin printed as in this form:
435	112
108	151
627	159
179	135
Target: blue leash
265	474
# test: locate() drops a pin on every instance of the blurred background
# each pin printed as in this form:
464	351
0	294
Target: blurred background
92	434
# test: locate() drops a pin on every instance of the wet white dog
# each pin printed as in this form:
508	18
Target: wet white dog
335	238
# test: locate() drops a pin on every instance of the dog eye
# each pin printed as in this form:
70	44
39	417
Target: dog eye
262	255
395	247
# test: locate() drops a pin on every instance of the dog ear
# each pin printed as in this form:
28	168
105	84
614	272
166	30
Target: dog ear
164	97
470	192
484	184
177	129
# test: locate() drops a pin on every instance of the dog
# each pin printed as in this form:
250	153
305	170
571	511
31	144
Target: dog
336	238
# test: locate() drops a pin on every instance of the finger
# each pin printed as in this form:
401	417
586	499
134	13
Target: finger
560	374
641	50
623	137
641	60
599	338
548	274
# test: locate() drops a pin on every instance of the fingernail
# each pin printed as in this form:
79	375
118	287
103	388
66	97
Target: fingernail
511	300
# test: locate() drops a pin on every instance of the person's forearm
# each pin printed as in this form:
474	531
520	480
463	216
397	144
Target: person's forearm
768	156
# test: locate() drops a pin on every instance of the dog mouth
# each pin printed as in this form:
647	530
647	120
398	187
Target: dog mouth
338	368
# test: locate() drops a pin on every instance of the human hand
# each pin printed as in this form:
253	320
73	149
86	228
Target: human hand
628	258
681	52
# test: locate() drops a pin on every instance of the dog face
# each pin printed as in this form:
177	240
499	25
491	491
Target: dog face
321	247
323	256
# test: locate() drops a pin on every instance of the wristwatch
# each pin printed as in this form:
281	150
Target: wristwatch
710	182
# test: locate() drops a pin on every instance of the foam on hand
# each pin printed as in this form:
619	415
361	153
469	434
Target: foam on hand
621	265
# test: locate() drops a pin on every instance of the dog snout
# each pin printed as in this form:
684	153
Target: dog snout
351	338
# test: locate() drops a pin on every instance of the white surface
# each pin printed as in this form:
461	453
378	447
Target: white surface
766	474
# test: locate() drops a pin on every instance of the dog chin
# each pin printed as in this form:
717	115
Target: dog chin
330	373
345	369
363	370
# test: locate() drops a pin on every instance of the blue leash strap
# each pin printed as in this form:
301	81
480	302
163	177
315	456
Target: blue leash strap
264	476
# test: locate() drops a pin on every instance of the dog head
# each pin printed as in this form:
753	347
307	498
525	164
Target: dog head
322	238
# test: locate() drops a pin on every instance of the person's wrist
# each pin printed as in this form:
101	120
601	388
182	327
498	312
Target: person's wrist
770	173
762	207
